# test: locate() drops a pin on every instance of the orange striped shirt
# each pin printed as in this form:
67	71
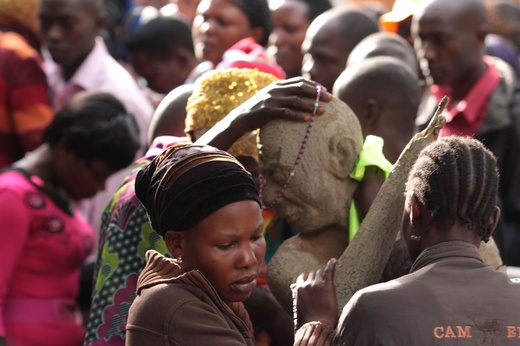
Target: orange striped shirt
25	108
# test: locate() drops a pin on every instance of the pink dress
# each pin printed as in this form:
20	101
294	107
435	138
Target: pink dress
42	245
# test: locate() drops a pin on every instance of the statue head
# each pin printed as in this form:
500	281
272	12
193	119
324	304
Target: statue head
319	193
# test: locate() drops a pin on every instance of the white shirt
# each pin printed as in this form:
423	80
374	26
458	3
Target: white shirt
100	72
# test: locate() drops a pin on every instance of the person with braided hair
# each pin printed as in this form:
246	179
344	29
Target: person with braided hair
450	207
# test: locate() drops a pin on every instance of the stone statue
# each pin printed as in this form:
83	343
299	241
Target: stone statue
306	172
317	197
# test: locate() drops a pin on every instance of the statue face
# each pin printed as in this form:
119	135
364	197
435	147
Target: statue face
317	194
304	197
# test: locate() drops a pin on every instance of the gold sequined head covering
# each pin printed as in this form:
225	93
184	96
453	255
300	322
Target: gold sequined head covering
19	14
218	92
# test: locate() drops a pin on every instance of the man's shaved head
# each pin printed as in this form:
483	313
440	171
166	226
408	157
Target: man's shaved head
449	41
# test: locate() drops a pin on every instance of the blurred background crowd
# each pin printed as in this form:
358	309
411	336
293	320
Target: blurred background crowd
158	73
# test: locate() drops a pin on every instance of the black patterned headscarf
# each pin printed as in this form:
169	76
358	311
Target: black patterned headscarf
187	183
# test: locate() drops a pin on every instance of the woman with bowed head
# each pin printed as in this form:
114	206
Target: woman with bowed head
43	239
206	206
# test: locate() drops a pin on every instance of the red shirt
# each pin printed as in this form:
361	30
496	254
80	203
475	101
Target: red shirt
467	116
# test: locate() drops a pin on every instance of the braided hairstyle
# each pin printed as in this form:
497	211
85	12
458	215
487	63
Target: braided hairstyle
456	179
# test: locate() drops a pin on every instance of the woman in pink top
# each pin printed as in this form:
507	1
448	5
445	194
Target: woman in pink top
43	241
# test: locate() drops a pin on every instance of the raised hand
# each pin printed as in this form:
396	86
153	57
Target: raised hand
316	296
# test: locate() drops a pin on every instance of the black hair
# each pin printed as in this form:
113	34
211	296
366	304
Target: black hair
161	36
386	78
354	24
385	44
316	7
96	126
456	179
259	15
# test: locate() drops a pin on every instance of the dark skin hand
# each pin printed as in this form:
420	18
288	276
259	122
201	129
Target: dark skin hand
291	99
316	296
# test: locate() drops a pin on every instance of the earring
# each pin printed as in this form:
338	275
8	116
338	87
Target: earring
179	259
415	237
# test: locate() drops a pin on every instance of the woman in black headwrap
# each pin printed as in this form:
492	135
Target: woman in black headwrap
206	206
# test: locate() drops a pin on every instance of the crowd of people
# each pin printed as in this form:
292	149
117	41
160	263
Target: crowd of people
183	172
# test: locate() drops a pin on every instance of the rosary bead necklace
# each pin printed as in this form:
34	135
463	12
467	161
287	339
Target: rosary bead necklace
280	194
